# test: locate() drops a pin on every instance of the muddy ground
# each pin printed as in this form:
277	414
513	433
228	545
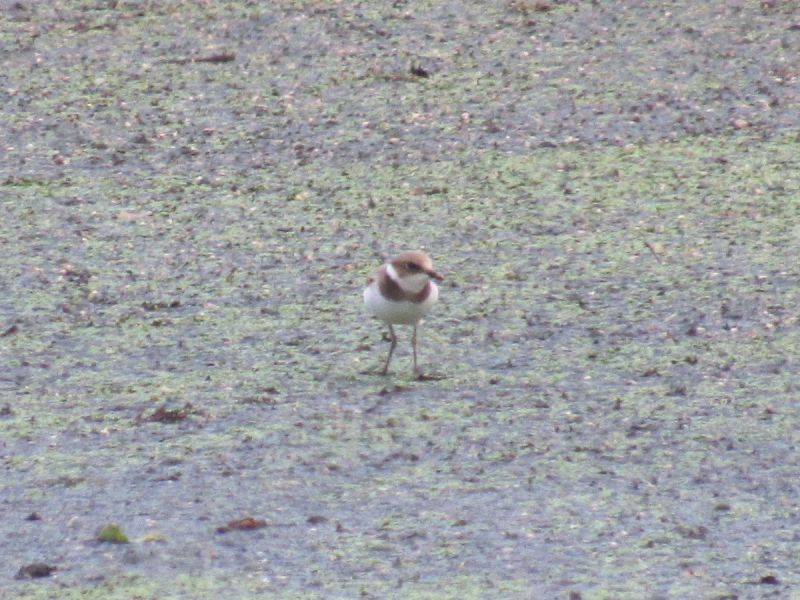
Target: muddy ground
192	196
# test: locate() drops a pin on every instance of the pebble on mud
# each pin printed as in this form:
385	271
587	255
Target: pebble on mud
166	415
34	570
244	523
316	519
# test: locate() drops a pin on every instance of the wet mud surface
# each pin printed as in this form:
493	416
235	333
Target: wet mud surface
193	194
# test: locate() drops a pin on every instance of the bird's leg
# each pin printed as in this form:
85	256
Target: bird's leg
393	339
414	347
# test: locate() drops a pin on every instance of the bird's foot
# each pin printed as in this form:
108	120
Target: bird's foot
428	376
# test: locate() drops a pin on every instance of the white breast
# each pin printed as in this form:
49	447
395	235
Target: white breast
401	313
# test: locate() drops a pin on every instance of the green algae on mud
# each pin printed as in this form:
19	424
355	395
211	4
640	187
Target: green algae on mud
535	355
617	331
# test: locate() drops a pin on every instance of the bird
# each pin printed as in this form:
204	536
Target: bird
401	292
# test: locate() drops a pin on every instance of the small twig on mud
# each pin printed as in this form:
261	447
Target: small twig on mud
220	57
652	249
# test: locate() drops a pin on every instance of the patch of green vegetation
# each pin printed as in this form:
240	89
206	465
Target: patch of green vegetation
112	533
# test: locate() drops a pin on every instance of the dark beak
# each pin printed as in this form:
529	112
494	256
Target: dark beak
435	275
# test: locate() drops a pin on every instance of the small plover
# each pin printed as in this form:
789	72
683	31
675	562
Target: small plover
401	292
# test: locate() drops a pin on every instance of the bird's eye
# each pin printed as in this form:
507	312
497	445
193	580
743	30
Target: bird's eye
412	266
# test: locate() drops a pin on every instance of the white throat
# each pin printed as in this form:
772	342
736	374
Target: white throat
412	284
